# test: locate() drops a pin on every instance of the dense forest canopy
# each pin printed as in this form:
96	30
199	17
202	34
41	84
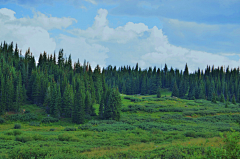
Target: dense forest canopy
69	90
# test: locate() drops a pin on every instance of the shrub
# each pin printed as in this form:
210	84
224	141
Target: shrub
25	117
34	123
1	120
85	126
190	134
17	132
17	126
70	129
67	137
38	137
23	138
27	111
8	133
49	120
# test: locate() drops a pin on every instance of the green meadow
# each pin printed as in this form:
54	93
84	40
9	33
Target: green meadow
150	127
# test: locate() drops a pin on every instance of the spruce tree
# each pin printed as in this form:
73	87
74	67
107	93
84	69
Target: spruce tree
175	91
115	104
234	100
222	98
158	92
101	107
214	100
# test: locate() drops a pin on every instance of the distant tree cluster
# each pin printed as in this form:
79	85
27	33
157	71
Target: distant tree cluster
54	84
215	84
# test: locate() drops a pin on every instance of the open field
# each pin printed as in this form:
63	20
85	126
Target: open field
150	127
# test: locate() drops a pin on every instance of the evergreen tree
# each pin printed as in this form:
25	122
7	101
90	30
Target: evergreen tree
158	92
214	100
175	91
114	104
88	104
58	102
3	95
234	100
101	107
144	86
222	98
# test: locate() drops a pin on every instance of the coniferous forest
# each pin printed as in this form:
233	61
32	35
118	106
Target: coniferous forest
128	111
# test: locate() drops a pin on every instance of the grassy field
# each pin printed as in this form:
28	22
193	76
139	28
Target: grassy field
150	127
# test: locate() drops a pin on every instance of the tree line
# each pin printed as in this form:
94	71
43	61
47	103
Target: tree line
63	89
214	84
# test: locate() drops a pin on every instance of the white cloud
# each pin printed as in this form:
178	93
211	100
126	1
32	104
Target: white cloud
100	30
79	48
91	1
33	36
125	47
7	14
41	20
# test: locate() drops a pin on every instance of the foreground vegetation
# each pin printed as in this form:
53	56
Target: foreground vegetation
150	127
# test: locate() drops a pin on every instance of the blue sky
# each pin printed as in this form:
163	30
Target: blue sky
124	32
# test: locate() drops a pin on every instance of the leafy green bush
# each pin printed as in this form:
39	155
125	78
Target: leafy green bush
25	117
17	132
112	127
34	123
171	110
85	126
67	137
70	129
38	137
17	126
190	134
8	133
49	120
23	138
1	120
14	132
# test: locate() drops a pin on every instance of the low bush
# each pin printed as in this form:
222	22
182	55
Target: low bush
1	120
17	126
67	137
49	120
85	126
34	123
17	132
70	129
38	137
25	117
23	138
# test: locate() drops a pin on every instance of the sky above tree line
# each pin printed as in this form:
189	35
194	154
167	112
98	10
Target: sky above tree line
125	32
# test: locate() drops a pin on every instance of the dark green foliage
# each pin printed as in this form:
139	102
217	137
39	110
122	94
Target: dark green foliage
23	138
70	129
17	126
85	126
49	120
234	100
214	100
51	129
1	120
25	117
34	123
222	98
175	91
159	93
